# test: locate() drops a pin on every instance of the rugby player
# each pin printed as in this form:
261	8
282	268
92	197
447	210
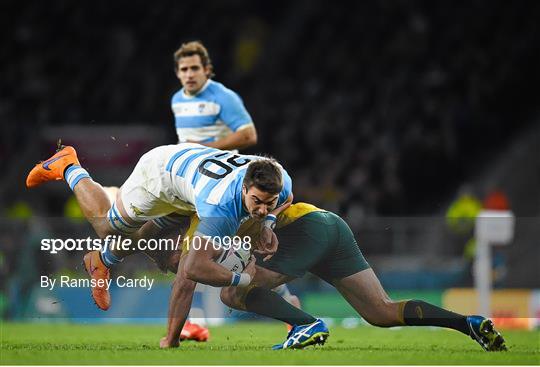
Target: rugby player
205	111
318	241
223	188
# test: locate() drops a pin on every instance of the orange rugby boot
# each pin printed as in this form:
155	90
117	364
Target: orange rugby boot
53	168
195	332
100	274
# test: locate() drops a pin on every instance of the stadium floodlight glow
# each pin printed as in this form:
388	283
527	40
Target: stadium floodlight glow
493	227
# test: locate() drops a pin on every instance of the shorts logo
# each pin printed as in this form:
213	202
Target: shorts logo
419	312
137	211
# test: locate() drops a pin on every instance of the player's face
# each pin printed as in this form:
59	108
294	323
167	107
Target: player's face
259	203
192	74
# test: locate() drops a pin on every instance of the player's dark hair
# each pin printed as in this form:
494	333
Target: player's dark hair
194	48
264	175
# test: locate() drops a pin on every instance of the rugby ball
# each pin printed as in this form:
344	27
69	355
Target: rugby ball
234	260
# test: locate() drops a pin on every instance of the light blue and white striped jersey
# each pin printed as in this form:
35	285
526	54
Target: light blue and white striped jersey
211	180
211	114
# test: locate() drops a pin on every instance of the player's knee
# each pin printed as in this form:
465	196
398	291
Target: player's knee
226	296
379	320
376	320
232	297
384	314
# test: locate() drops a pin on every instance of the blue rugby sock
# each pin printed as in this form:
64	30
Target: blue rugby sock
73	174
108	258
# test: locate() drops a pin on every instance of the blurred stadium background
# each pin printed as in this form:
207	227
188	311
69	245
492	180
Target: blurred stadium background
405	117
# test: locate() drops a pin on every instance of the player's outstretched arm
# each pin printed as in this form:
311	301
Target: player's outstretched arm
179	305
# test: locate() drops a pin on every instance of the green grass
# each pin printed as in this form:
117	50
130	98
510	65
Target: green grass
250	343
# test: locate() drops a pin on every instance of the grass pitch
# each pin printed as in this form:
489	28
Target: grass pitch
250	343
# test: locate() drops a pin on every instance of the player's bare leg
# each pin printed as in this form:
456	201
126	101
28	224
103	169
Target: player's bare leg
365	294
64	165
94	204
98	263
92	198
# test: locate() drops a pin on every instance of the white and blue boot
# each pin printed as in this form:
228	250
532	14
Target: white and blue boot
483	332
302	336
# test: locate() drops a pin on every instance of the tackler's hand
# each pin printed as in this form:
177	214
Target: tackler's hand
268	243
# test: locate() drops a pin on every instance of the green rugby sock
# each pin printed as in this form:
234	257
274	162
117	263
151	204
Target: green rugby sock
267	303
420	313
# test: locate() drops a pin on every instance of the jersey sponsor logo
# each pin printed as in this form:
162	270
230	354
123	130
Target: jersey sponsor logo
202	133
138	212
419	312
185	109
46	164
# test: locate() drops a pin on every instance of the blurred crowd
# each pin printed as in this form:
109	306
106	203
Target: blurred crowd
376	108
391	102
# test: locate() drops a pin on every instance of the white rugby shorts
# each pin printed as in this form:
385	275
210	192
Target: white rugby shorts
152	192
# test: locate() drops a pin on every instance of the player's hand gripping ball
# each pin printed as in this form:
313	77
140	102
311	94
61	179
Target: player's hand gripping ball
234	260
